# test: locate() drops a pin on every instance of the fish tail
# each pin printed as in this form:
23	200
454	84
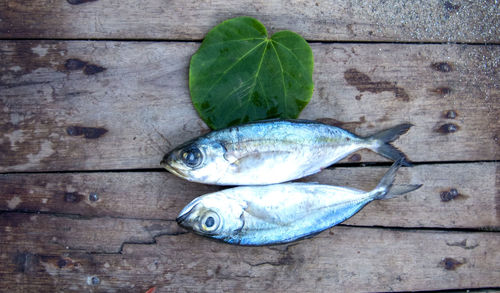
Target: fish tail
385	189
382	140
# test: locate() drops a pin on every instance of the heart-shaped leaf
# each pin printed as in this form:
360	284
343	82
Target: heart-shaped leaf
240	75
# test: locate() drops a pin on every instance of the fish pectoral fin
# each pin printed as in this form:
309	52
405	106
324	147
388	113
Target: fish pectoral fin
265	215
230	157
252	160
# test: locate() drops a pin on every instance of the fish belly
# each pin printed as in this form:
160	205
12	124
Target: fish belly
286	212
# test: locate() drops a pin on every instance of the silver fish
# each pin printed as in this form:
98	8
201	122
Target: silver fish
280	213
273	151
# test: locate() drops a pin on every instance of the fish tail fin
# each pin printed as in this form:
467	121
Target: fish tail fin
385	189
382	143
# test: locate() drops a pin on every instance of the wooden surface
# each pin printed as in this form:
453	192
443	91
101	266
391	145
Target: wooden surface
363	259
93	93
160	195
139	106
355	20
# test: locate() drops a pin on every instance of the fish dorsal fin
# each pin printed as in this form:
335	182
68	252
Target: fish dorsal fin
271	120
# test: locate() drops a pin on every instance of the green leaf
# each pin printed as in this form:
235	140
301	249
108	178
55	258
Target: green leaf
240	75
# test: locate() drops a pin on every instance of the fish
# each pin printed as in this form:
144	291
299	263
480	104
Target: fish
273	151
280	213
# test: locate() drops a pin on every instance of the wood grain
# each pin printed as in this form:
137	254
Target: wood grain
361	259
329	20
452	196
96	105
122	105
58	233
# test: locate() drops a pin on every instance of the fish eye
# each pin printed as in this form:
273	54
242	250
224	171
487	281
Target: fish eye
210	222
192	157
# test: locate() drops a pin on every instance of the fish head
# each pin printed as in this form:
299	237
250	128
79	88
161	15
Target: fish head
213	215
200	160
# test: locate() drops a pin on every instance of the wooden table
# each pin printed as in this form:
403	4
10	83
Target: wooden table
93	93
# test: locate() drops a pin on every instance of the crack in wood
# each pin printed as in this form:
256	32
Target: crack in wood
463	244
152	242
78	216
78	2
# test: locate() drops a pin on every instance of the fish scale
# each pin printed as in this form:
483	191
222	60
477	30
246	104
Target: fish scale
280	213
272	151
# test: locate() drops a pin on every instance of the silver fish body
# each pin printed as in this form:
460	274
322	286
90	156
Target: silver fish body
272	151
279	213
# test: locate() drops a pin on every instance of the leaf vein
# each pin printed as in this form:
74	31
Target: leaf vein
294	55
282	76
233	65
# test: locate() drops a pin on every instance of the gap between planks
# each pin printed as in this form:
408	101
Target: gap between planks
159	40
341	164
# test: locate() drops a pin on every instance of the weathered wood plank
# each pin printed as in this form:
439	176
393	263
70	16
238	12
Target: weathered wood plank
42	233
113	105
340	259
453	195
394	20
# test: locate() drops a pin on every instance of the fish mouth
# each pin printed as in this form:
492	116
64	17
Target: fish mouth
186	211
174	171
166	163
180	219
